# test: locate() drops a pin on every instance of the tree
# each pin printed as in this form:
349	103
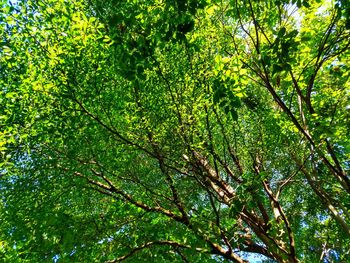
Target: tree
175	131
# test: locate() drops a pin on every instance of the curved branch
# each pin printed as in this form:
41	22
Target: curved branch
174	244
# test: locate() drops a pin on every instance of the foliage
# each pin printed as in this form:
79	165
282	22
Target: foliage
175	131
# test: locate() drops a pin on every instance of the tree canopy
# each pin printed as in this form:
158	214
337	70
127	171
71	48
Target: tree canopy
175	131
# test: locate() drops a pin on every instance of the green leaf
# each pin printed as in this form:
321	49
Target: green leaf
281	32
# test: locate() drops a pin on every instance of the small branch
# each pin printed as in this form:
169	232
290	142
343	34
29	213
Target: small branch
174	244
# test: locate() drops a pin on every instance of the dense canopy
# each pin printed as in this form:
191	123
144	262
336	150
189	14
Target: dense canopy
175	131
